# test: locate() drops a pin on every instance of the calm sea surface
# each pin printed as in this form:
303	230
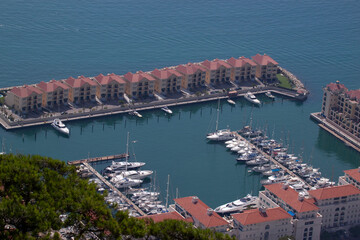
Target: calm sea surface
318	41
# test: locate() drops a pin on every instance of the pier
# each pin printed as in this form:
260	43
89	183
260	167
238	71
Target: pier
114	189
98	159
238	136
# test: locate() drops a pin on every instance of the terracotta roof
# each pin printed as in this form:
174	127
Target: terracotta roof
199	210
138	76
165	216
190	68
354	94
336	87
263	59
105	80
290	197
215	64
51	86
25	91
240	62
79	82
255	216
354	173
165	73
334	192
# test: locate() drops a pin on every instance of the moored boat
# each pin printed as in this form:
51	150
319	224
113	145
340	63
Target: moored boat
167	110
251	98
231	102
60	126
237	205
269	95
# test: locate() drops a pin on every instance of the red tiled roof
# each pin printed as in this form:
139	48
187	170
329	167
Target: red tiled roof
199	211
25	91
354	94
104	80
190	68
79	82
51	86
354	173
290	196
334	192
263	59
138	76
215	64
165	73
240	62
165	216
255	216
336	87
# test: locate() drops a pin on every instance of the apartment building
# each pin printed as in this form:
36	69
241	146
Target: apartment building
306	217
139	84
24	99
342	107
55	93
193	75
81	89
167	80
217	71
243	69
266	68
110	87
262	223
352	176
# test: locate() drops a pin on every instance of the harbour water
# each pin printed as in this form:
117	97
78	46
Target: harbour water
318	42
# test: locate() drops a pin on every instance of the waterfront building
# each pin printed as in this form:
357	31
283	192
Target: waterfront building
262	223
338	205
193	75
352	176
139	84
342	108
266	68
202	216
306	217
55	93
167	80
243	69
24	99
110	86
82	89
217	71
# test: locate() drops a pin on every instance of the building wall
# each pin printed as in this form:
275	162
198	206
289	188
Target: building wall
220	75
244	73
113	90
168	85
267	72
139	89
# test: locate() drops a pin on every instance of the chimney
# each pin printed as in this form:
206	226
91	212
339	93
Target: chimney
285	186
301	197
262	210
209	211
194	200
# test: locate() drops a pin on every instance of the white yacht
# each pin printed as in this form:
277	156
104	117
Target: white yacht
269	95
220	135
167	110
135	113
251	98
133	174
60	126
237	205
124	165
125	182
231	102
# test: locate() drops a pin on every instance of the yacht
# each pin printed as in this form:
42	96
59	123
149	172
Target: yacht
60	126
167	110
125	182
231	102
237	205
135	113
116	166
133	174
220	135
251	98
269	95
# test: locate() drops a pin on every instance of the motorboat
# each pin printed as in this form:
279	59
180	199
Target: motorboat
133	174
262	168
60	126
167	110
125	182
269	95
251	98
231	102
237	205
135	113
116	166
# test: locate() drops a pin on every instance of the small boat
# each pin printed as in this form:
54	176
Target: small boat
135	113
237	205
231	102
60	126
251	98
269	95
167	110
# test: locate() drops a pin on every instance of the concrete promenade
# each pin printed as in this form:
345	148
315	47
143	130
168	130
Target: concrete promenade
98	159
8	125
337	131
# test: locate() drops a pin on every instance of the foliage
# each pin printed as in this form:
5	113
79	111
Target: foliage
284	81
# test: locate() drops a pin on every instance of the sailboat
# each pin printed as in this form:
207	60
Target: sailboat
220	135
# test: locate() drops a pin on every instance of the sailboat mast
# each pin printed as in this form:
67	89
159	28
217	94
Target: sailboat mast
217	117
127	151
167	192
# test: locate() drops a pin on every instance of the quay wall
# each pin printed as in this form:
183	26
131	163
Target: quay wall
298	84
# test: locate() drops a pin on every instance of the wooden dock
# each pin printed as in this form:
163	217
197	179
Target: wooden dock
98	159
114	189
272	159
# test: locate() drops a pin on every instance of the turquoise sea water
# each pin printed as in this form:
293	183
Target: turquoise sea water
317	41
